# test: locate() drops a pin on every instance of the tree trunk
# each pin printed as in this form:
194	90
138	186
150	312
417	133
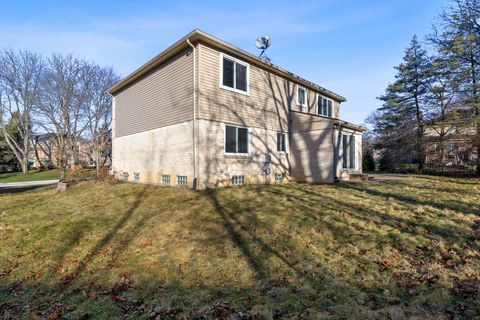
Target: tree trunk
19	155
63	159
476	107
97	162
63	169
420	132
25	165
35	147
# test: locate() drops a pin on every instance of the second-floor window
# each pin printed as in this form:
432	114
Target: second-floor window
301	96
236	140
324	106
234	74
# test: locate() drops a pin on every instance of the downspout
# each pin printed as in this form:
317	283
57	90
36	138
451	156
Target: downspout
335	178
194	115
337	133
112	173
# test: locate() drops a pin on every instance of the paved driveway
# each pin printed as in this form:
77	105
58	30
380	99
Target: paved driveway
27	184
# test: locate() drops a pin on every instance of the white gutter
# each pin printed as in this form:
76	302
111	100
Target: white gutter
194	114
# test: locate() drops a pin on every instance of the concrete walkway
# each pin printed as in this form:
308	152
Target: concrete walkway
389	176
27	184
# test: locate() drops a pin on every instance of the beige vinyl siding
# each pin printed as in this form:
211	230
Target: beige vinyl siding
160	98
266	106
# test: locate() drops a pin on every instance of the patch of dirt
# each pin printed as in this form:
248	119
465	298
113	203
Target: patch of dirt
467	288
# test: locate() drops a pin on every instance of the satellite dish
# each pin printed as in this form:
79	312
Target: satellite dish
263	43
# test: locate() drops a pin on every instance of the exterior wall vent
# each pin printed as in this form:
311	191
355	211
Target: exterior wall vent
278	176
165	179
182	180
238	180
125	176
136	176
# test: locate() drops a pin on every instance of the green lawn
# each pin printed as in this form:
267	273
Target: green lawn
32	175
392	250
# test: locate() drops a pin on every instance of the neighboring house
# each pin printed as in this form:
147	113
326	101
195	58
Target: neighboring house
204	113
45	149
450	143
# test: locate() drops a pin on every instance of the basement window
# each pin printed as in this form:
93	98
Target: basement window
166	179
278	176
281	142
182	180
234	75
238	180
136	176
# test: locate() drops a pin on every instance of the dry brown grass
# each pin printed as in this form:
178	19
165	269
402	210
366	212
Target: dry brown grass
378	250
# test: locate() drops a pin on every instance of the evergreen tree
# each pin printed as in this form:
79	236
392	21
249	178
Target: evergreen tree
368	163
7	157
400	122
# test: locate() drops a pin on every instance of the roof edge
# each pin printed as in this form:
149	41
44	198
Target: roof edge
197	35
350	125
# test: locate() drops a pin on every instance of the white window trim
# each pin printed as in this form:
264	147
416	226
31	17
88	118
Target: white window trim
286	142
306	96
222	55
225	140
356	164
319	96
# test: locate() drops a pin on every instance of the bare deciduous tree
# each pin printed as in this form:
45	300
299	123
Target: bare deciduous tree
100	111
458	38
20	78
62	106
444	86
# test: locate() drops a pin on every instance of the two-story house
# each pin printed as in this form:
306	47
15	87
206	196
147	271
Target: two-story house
450	141
204	113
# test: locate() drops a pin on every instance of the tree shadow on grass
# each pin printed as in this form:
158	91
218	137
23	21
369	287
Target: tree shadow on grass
250	223
13	190
457	206
314	209
240	223
461	181
105	240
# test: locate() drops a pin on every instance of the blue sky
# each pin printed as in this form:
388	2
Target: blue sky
347	46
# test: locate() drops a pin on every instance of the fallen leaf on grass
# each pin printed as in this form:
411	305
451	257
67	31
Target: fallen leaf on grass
11	265
221	311
384	265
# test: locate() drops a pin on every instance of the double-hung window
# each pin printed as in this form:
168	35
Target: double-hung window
281	142
302	96
349	151
234	74
236	140
324	106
